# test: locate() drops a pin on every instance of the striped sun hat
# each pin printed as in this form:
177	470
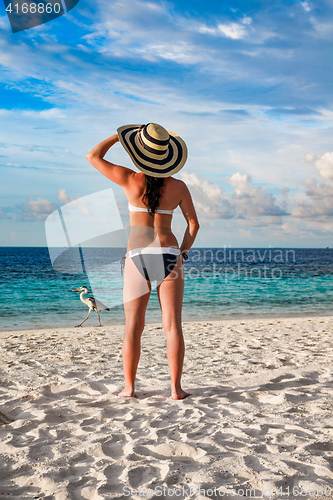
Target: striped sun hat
153	150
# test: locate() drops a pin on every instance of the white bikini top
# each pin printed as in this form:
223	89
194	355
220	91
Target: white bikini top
131	208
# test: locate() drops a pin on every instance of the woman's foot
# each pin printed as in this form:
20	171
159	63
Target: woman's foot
179	394
127	393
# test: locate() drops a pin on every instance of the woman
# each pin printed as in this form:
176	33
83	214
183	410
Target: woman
153	251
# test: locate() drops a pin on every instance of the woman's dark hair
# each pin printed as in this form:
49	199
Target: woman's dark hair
153	193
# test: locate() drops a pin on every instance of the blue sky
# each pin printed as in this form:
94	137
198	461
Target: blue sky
248	85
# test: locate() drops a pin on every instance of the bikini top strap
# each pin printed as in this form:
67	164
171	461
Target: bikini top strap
132	208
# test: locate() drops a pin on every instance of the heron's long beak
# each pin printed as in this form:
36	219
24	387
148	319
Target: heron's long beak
76	290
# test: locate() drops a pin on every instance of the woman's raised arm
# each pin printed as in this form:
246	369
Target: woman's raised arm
116	173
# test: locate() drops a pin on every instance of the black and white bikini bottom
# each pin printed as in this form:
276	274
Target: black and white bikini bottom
154	263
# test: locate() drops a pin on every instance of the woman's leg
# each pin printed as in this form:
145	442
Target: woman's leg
136	296
170	293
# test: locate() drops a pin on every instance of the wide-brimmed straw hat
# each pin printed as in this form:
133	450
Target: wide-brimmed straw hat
153	150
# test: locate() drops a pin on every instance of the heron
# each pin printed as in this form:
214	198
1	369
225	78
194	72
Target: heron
93	304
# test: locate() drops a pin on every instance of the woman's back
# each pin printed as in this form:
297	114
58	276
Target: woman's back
172	193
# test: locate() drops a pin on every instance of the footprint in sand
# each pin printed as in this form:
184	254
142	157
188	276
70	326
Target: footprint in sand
143	475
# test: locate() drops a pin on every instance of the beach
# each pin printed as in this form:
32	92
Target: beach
258	423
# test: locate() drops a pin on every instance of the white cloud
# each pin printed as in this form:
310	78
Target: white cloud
259	221
252	200
62	196
293	229
206	30
122	32
48	114
318	201
232	30
272	219
38	209
250	205
310	157
180	53
213	191
207	197
255	206
40	206
320	226
324	164
322	29
306	6
244	233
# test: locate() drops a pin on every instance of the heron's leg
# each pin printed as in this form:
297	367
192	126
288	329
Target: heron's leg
99	319
84	319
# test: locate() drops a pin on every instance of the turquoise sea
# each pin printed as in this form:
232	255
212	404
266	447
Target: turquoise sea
220	283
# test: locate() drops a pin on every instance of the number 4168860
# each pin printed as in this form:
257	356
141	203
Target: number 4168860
34	8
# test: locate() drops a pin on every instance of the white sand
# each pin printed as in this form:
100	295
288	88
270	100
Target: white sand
260	416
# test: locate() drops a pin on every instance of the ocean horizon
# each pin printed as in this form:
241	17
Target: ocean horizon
220	283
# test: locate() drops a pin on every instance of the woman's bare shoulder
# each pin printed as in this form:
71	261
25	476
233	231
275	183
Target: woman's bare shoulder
136	186
176	190
177	184
137	180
